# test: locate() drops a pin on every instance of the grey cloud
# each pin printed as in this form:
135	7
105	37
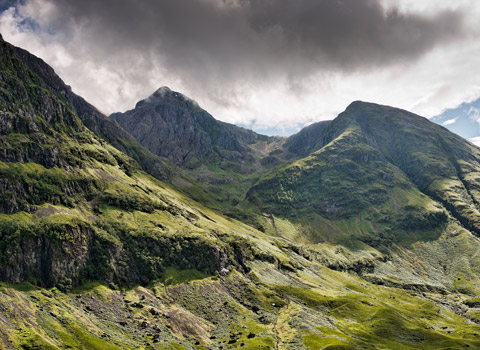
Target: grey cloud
350	33
220	46
220	35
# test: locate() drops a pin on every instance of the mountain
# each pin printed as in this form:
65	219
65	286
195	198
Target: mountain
223	157
173	126
463	120
384	173
96	253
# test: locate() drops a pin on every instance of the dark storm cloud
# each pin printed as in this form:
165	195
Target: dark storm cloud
207	37
353	33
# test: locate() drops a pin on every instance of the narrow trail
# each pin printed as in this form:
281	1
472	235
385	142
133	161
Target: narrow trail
275	327
272	222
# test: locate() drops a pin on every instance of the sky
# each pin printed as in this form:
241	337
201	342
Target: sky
271	65
463	120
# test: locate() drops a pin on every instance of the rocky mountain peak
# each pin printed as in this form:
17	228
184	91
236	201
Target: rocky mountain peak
163	90
173	126
165	95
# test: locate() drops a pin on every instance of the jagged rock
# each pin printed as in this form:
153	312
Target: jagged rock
47	260
173	126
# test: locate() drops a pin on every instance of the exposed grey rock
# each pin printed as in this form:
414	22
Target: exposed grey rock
173	126
47	260
71	253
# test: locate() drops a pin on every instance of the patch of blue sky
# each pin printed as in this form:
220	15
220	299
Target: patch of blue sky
28	24
463	120
273	130
6	4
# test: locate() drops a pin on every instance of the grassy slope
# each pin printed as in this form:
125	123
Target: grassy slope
292	300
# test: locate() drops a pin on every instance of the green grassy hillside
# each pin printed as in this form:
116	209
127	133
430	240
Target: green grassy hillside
383	176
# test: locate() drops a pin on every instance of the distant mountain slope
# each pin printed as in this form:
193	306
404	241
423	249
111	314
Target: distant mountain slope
383	175
307	140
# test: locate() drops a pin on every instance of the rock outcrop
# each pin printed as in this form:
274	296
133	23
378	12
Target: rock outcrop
173	126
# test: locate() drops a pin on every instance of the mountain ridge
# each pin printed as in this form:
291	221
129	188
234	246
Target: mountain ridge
169	107
223	159
98	123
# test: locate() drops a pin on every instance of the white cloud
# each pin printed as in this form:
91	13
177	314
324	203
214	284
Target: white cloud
450	121
475	140
474	114
443	78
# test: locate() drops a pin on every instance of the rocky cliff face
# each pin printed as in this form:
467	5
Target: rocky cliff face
65	251
173	126
47	260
